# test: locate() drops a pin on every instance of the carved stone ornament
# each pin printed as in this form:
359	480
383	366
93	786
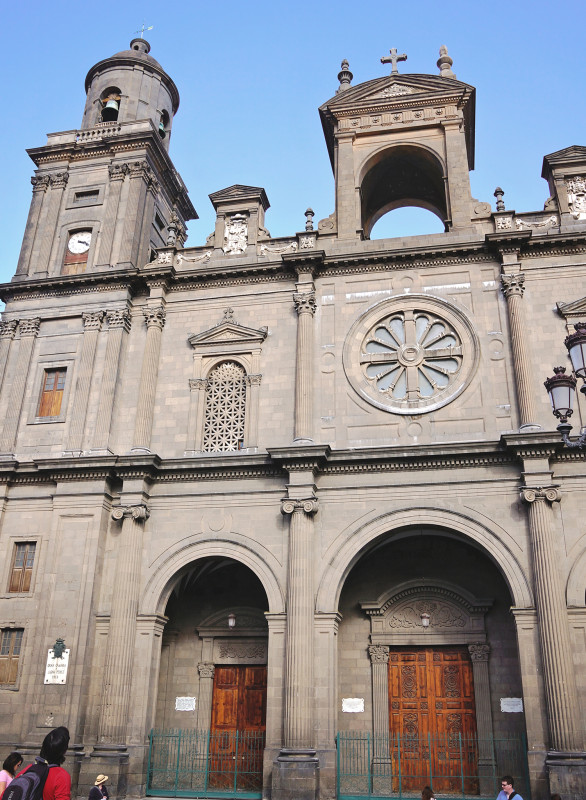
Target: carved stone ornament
479	652
138	513
253	380
284	248
59	180
118	172
235	235
526	224
442	615
504	223
206	670
40	183
165	258
513	284
396	90
305	303
308	506
29	327
119	318
154	317
204	257
551	494
198	384
379	653
244	651
8	329
92	320
306	242
576	188
140	169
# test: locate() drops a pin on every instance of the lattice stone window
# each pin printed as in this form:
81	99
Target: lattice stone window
225	408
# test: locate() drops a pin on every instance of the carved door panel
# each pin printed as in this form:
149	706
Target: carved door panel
238	725
431	706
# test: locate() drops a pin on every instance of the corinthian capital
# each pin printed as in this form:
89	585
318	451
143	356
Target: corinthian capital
8	329
29	327
379	653
139	513
206	670
154	317
119	319
551	494
92	320
118	172
40	183
513	284
308	506
59	180
479	651
305	302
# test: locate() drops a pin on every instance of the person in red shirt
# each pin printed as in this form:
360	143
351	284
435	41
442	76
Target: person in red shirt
53	749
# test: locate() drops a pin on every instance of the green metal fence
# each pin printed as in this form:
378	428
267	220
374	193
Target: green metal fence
195	763
399	766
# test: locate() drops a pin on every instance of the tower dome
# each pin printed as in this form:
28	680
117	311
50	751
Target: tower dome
131	86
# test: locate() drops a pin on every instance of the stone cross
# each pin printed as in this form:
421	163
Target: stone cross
392	59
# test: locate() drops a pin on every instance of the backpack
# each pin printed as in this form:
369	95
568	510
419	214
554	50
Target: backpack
29	784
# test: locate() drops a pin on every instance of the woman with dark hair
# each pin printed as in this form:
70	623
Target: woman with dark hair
58	783
10	767
427	794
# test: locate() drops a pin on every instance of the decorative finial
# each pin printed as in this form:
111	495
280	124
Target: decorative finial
59	648
310	214
229	315
344	76
444	63
172	229
498	193
392	59
143	29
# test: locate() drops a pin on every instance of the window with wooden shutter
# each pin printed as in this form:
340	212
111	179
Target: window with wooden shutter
10	646
22	567
52	393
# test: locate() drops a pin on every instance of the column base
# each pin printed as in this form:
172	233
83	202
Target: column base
106	759
567	774
296	775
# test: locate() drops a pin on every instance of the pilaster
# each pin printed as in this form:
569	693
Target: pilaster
40	185
48	223
479	653
28	329
92	324
206	685
155	322
140	175
7	334
118	325
117	173
305	306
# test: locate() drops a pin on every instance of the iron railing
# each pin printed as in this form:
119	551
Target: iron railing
399	766
196	763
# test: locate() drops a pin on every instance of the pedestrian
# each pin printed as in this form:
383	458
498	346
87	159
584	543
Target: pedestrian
99	790
58	783
10	767
427	794
507	791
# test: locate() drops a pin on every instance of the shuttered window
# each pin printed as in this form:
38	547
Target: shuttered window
22	567
10	646
52	392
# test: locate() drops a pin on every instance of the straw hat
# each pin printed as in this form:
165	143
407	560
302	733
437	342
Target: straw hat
101	779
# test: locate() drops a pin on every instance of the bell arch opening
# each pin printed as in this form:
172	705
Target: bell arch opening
399	177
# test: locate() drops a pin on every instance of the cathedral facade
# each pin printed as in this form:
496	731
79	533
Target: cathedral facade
289	517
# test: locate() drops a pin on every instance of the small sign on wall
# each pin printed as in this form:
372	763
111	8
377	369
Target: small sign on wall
56	669
511	705
185	704
353	705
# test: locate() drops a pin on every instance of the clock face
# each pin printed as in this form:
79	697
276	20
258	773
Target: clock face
79	242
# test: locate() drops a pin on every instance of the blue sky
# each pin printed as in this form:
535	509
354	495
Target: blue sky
251	76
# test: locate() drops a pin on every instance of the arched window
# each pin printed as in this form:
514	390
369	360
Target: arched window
163	124
225	408
110	104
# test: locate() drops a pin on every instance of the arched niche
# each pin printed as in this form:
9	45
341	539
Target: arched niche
400	176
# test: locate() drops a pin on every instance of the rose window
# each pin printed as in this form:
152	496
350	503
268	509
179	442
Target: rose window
411	354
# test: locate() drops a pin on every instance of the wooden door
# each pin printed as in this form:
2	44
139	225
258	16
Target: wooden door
238	726
431	706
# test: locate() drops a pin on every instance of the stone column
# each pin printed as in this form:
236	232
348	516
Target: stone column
40	186
118	325
122	631
7	334
381	760
253	390
554	635
117	173
53	205
305	306
140	175
296	770
197	388
204	704
513	287
92	323
28	329
155	322
347	212
479	653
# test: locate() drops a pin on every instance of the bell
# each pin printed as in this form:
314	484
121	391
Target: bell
162	131
110	111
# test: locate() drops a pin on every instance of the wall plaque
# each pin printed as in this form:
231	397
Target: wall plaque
353	705
185	703
511	705
56	669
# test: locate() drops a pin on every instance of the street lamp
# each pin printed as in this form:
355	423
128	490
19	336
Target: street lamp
562	388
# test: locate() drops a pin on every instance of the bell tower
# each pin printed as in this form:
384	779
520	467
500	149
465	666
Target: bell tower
400	140
104	195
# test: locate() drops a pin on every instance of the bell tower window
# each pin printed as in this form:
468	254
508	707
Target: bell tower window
164	124
110	101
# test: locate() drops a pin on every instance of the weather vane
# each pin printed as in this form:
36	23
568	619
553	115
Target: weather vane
143	29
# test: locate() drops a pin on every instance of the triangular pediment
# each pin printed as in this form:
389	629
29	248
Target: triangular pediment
575	309
238	193
228	332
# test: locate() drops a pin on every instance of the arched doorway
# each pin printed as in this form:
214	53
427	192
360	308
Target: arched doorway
428	644
210	721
